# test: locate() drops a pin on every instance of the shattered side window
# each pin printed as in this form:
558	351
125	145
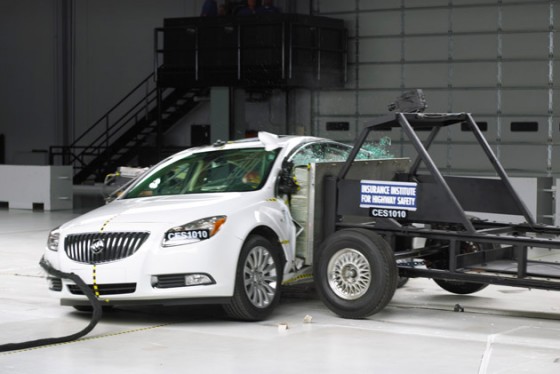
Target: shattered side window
320	152
376	150
333	152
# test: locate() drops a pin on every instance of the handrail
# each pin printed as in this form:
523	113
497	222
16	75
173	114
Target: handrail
109	133
106	115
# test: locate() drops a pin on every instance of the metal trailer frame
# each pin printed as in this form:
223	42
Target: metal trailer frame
441	216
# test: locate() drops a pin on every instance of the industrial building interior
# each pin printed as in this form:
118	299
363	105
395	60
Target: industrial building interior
78	77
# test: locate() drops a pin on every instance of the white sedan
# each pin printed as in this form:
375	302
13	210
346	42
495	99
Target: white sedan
207	225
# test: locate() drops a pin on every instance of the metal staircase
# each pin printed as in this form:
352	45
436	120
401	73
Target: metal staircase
120	135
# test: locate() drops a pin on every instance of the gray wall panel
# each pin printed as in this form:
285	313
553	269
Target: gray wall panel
380	23
555	152
351	82
379	76
424	48
374	103
474	47
438	100
530	45
371	103
523	102
555	128
379	50
474	19
474	74
525	73
479	101
417	75
425	3
495	59
525	17
337	102
521	159
329	6
468	157
415	21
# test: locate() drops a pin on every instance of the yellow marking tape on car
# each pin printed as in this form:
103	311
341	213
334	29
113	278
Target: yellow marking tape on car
105	224
95	286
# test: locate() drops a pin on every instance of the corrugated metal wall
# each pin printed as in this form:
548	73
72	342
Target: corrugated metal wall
493	58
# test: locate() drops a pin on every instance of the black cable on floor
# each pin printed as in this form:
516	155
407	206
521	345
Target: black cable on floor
95	317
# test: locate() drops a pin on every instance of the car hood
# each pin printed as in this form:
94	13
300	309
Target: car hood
174	210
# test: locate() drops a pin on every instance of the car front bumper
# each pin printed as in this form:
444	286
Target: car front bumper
156	275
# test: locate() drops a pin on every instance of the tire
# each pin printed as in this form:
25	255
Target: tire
442	262
356	273
257	282
459	287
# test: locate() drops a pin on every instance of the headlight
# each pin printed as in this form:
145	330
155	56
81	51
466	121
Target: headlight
193	232
53	239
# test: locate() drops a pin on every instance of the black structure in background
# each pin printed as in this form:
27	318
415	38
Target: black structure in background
263	51
259	52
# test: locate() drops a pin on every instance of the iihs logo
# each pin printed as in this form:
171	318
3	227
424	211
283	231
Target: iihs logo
97	246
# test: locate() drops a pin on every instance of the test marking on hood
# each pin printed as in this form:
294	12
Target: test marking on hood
106	223
95	286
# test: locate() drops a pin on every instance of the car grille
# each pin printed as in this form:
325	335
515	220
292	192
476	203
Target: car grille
97	248
106	289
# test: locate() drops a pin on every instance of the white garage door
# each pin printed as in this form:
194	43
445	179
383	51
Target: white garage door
495	59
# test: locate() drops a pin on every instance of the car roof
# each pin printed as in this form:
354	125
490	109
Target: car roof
264	139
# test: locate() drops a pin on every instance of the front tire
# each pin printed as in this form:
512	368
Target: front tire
258	280
355	273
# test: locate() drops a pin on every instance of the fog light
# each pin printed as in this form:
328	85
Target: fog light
197	279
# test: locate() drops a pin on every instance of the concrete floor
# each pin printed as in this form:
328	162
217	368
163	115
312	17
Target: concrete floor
502	330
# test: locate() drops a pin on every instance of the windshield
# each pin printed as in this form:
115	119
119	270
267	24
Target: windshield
231	170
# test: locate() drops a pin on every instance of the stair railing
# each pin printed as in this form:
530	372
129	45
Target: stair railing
94	141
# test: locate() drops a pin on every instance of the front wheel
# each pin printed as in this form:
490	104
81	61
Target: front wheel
356	273
258	280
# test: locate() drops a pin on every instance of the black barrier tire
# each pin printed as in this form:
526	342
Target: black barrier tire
459	287
355	273
453	286
258	280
